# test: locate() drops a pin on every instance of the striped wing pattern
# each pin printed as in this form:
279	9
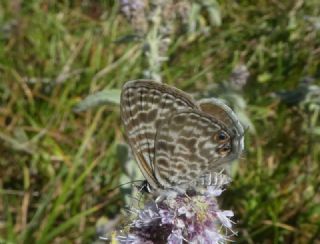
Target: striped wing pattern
144	106
175	139
224	114
186	148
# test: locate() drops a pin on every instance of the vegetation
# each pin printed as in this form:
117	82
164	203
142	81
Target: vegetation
61	162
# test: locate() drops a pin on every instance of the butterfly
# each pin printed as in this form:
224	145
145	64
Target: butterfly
175	139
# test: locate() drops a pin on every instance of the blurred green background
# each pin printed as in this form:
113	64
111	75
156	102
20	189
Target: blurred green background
59	149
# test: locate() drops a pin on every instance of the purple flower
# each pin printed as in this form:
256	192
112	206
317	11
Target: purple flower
239	76
175	237
181	218
224	216
130	7
166	216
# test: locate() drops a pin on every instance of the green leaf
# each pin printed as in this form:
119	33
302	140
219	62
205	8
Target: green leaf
264	77
99	98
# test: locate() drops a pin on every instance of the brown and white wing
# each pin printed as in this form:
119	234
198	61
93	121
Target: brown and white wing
189	145
222	112
144	106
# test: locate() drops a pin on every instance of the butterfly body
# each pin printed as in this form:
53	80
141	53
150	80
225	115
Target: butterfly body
175	139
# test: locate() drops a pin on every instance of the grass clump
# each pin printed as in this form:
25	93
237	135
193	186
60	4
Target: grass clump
57	166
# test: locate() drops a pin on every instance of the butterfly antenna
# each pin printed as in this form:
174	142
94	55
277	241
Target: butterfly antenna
130	182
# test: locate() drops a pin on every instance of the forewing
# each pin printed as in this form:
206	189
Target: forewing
144	106
186	148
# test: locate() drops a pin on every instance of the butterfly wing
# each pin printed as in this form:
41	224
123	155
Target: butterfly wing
144	106
189	145
223	113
